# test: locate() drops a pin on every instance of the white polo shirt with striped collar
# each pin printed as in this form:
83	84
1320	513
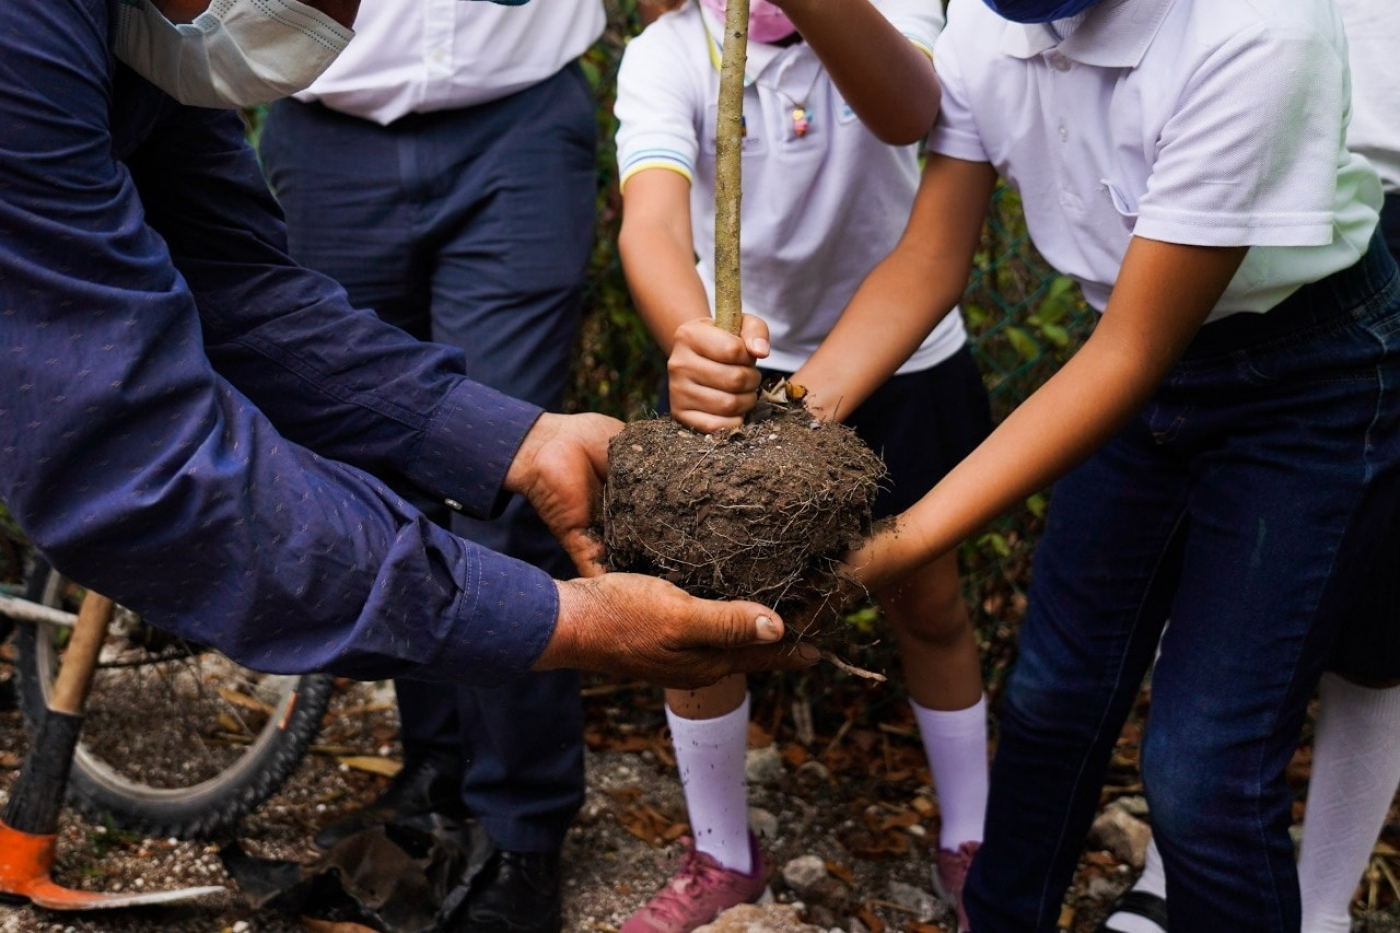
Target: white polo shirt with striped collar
1204	122
820	208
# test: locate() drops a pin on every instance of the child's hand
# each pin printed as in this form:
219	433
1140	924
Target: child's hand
889	553
714	382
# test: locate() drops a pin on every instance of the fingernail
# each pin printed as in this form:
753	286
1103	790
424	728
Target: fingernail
760	347
768	630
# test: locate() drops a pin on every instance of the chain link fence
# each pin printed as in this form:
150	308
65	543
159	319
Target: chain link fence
1024	320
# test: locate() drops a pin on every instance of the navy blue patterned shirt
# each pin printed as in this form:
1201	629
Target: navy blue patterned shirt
199	428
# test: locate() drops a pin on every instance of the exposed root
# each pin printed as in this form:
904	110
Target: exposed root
849	668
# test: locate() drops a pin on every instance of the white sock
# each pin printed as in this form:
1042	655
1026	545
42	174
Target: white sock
955	742
710	758
1355	769
1153	880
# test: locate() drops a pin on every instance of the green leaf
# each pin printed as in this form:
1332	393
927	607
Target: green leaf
1023	343
995	543
1056	334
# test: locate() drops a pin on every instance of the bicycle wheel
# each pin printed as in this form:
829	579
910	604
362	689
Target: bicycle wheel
177	739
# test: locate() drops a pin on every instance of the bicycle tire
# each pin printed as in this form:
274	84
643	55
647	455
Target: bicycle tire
228	774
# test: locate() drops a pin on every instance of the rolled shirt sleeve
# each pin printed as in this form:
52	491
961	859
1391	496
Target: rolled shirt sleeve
196	427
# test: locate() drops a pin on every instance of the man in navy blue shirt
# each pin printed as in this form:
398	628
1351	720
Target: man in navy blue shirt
205	431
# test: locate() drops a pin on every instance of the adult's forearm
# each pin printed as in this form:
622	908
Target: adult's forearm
228	534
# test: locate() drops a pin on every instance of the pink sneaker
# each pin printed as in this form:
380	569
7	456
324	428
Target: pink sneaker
697	892
950	874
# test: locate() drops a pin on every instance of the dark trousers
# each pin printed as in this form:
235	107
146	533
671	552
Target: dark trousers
1245	502
1368	648
471	227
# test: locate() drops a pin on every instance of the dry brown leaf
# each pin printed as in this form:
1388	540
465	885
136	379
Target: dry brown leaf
872	922
244	700
759	737
795	755
843	872
901	820
373	764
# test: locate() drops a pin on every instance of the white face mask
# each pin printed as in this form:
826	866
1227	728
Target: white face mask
238	53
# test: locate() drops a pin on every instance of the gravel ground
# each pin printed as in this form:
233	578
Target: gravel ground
857	799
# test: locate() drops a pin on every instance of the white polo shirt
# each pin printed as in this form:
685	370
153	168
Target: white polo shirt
417	56
1205	122
819	210
1373	35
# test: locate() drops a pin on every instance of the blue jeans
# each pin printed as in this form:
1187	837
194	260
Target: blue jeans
471	227
1244	503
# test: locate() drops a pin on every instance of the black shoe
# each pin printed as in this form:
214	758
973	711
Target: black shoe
517	892
1132	903
427	793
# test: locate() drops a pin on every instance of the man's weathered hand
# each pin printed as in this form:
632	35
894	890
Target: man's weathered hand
642	627
560	468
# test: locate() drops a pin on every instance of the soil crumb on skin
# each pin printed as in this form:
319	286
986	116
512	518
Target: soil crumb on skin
762	512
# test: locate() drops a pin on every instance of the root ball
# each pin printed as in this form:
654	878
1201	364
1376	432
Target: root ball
762	513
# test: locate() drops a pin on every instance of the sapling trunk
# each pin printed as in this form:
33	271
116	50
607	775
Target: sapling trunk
728	146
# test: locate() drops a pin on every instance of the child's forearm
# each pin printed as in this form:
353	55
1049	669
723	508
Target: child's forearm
1163	295
890	315
658	258
888	82
667	292
907	294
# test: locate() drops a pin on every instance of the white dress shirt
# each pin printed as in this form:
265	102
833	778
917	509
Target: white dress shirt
417	56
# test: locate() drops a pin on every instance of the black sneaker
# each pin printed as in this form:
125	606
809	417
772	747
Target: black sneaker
517	892
429	793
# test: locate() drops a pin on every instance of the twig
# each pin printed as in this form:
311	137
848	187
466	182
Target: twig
728	142
851	668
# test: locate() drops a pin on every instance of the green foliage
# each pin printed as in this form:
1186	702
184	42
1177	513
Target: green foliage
103	839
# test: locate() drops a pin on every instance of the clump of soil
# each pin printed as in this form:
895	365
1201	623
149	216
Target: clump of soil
763	512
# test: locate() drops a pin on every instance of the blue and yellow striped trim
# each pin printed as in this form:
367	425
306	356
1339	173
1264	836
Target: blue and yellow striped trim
668	159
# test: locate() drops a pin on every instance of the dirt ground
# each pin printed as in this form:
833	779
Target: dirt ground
851	789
